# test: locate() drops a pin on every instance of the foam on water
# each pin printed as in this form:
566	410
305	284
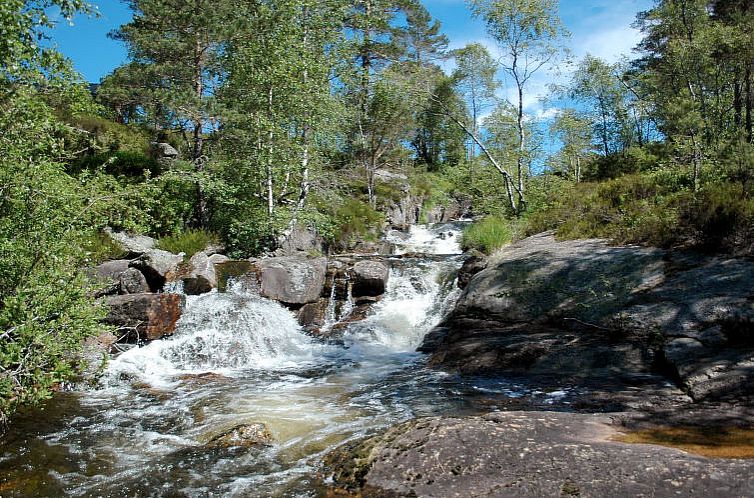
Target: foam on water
223	333
441	238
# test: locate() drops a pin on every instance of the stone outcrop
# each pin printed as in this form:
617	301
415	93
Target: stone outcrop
133	245
158	267
582	309
369	278
202	275
526	454
145	316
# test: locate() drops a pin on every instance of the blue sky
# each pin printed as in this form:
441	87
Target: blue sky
600	27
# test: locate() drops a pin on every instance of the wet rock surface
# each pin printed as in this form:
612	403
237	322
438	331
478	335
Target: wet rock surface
582	309
244	435
292	280
524	454
145	316
369	278
202	275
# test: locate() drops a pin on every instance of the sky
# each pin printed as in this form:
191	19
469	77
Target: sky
598	27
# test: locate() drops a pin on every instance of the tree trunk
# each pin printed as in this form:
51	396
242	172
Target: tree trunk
521	148
270	138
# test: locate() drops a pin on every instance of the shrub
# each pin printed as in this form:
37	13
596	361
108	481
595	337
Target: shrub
100	247
488	235
355	220
188	242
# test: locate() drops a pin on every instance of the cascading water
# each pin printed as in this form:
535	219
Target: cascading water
240	359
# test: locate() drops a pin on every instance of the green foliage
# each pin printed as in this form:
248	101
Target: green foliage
188	242
354	221
100	247
109	136
488	235
46	308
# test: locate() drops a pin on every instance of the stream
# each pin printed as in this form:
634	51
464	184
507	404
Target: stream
239	359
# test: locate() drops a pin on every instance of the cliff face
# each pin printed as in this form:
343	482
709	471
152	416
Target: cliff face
584	310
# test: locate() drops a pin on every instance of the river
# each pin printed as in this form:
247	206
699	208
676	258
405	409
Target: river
239	359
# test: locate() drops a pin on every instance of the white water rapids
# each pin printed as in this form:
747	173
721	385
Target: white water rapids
239	359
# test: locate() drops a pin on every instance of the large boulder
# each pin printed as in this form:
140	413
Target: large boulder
301	241
132	281
292	280
107	276
369	278
202	275
158	267
134	245
525	454
145	316
583	309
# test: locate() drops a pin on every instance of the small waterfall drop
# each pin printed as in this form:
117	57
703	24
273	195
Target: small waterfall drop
226	333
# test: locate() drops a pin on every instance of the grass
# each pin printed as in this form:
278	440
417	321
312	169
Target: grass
188	242
100	248
713	443
488	235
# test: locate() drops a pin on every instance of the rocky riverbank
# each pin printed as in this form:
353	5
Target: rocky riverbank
662	341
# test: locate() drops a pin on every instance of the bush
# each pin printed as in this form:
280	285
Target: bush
354	221
720	218
488	235
100	247
188	242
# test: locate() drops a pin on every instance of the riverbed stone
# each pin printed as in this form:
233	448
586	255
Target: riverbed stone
526	454
243	435
369	278
202	275
158	267
292	280
141	317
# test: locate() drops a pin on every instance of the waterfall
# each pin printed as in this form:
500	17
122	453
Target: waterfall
222	333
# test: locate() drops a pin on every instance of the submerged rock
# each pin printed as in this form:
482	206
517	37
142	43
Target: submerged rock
526	454
244	435
145	316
